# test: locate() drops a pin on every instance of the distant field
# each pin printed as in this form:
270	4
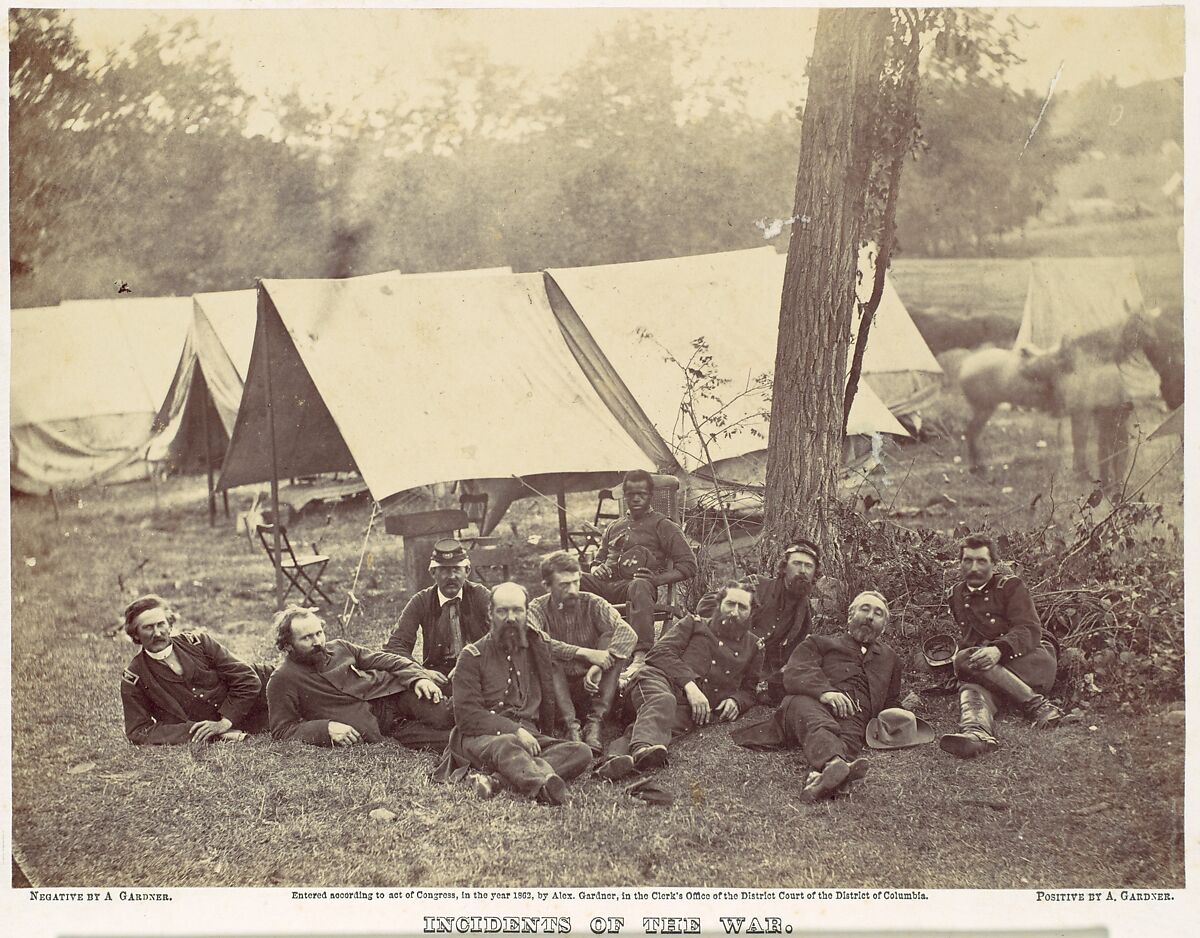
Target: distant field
988	294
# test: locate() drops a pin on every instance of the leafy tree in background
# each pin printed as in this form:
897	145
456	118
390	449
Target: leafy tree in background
973	177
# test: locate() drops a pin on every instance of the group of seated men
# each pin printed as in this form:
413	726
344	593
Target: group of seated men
504	678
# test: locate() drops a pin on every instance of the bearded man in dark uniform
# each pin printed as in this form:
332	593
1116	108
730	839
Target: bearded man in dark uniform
505	710
703	670
186	687
782	614
1003	658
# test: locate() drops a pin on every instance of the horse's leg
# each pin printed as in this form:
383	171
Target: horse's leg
979	417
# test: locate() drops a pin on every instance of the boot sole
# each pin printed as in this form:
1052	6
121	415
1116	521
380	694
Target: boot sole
653	757
858	770
833	776
615	768
964	748
554	791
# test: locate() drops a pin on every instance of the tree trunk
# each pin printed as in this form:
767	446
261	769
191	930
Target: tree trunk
805	448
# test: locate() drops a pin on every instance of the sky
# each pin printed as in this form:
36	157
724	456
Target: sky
360	59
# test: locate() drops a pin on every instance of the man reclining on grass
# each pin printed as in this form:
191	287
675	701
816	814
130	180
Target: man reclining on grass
504	707
700	671
836	684
187	687
336	693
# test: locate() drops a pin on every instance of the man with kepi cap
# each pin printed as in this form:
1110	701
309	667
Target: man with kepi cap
782	613
450	614
835	685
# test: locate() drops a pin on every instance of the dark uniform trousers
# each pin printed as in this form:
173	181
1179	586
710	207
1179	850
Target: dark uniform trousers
640	594
808	723
660	716
571	696
524	772
413	721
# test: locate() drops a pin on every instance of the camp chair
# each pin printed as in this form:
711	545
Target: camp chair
586	541
295	568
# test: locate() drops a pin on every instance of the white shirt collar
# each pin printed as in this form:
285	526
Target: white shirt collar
443	599
160	655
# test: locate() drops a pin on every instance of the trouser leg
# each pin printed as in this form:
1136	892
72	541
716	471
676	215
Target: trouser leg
1000	681
505	756
658	718
642	596
822	736
417	722
566	759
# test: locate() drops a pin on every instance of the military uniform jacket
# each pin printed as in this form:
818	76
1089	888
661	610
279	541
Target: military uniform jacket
480	684
780	634
692	651
824	663
425	612
161	707
654	531
1000	613
303	699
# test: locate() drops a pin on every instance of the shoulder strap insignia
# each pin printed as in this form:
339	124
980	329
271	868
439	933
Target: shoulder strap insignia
1004	579
192	637
472	649
128	677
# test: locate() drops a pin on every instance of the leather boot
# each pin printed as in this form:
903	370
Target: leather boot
591	736
1012	687
974	736
573	733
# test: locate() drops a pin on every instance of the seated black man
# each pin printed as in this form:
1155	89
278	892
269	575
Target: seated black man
700	671
638	554
336	693
187	687
504	708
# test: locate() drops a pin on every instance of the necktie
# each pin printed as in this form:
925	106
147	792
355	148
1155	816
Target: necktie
455	624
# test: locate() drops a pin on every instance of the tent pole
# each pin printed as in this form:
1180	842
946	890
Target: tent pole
212	496
563	539
266	336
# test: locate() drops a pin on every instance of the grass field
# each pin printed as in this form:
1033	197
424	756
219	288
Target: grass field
1097	803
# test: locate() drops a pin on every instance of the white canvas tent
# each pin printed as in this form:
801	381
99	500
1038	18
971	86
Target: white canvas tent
197	417
645	317
1088	300
419	380
87	379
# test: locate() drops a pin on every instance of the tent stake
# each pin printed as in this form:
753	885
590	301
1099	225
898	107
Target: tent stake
266	336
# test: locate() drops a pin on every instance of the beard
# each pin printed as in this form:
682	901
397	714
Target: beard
729	628
511	636
862	632
314	655
800	588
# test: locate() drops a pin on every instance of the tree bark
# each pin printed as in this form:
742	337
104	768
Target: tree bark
806	436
